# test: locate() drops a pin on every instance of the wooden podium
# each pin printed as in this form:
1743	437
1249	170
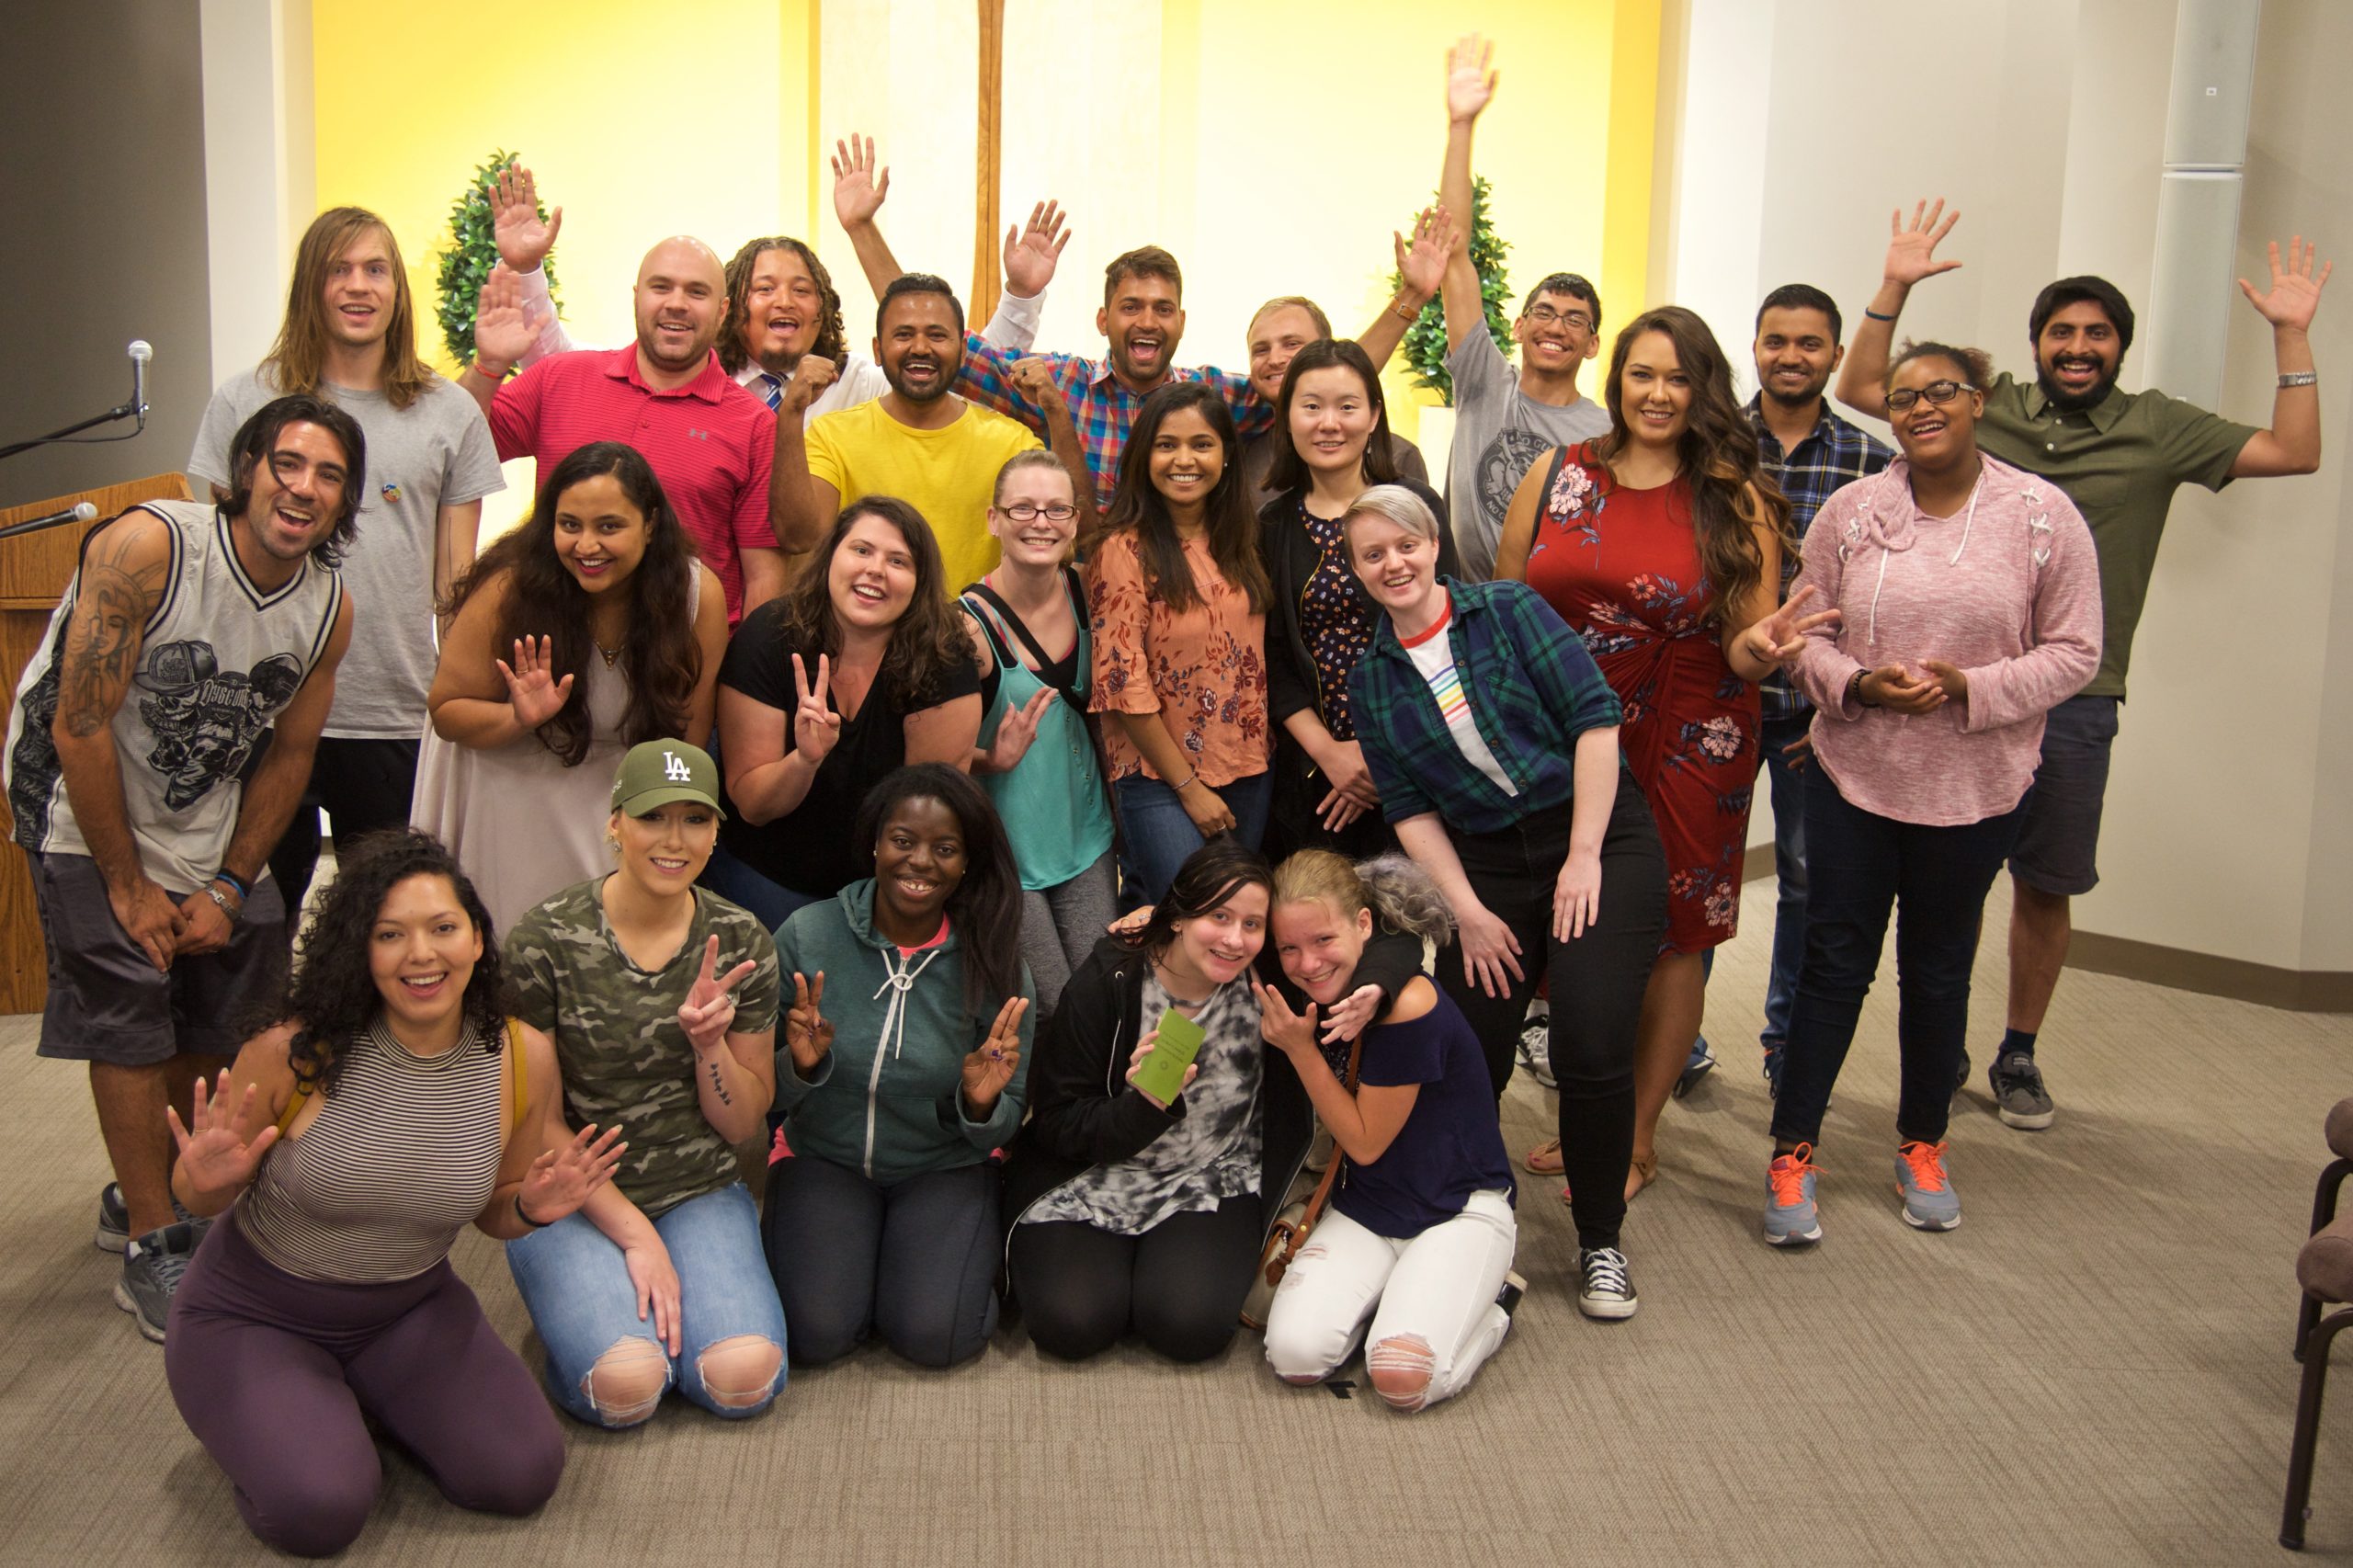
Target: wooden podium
34	570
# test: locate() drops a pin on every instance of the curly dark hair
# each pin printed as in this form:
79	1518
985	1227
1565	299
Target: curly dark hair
987	905
1209	876
831	336
1975	364
662	659
1230	525
929	640
258	435
332	999
1719	454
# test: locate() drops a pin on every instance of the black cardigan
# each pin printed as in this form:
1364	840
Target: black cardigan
1083	1112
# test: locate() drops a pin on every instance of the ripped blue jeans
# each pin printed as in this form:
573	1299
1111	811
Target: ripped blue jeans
606	1366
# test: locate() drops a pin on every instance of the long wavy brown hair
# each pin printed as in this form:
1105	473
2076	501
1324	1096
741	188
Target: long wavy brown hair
1229	525
1731	491
831	335
659	657
298	360
929	640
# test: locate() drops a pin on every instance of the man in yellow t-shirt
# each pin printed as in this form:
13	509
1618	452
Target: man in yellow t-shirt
918	441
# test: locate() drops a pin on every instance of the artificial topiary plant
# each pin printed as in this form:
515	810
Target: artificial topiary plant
473	252
1425	344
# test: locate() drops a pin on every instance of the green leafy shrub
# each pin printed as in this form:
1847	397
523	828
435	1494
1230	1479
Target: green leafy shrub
1424	345
472	252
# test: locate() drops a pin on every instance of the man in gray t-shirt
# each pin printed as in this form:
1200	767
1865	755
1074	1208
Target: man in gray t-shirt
1503	423
350	336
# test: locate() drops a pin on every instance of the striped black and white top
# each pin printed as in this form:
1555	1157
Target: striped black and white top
402	1155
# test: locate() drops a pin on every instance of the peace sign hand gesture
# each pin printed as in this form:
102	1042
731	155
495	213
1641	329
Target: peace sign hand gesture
2294	294
708	1008
1912	250
808	1033
532	689
815	726
217	1155
1016	729
990	1068
1780	636
560	1181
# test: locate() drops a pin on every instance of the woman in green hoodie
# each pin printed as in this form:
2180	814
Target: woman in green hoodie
899	1090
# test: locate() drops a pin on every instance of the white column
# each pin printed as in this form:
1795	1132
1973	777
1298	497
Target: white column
260	183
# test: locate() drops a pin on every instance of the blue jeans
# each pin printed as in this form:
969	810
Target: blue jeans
1157	836
576	1287
1788	786
731	878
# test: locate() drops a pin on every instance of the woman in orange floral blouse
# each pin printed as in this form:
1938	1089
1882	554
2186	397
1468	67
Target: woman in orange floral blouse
1178	596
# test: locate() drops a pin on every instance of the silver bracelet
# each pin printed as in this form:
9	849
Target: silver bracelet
213	891
2298	378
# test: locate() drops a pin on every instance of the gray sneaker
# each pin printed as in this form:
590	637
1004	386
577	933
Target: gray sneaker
153	1267
1606	1288
1791	1218
1929	1201
114	1219
2019	1097
1535	1049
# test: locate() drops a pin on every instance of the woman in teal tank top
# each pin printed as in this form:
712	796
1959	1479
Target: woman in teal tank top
1036	756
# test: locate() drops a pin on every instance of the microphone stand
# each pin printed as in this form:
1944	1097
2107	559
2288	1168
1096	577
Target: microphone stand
121	411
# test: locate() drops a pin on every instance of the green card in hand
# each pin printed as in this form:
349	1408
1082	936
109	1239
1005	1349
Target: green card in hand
1163	1074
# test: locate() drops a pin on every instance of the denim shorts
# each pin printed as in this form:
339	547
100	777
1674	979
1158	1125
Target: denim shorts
576	1286
2058	849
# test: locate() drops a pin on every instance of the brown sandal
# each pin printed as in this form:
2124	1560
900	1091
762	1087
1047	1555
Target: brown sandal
1644	1166
1544	1159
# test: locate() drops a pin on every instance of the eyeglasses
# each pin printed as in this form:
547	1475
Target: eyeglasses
1938	392
1545	315
1023	512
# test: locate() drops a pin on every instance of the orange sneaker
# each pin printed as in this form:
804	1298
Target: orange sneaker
1791	1218
1929	1201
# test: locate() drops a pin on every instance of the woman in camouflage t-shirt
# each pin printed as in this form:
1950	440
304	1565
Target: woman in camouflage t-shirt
662	1000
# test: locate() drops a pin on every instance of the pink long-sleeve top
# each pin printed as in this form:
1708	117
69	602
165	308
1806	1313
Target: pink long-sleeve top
2006	590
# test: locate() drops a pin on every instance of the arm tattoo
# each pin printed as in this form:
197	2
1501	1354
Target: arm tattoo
718	1086
103	638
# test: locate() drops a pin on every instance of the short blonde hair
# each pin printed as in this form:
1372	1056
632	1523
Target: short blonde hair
1395	504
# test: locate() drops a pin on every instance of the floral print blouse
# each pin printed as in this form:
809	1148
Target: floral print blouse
1203	671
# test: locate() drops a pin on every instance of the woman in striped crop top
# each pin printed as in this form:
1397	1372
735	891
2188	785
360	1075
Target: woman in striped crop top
406	1106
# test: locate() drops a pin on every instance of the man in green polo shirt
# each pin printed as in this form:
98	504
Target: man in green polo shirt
2120	455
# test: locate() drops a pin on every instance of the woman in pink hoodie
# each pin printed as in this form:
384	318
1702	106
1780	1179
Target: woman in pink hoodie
1969	606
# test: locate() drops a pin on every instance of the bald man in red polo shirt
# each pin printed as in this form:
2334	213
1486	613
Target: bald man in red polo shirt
710	443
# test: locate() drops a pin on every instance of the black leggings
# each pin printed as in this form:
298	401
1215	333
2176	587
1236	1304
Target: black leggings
1597	984
1179	1285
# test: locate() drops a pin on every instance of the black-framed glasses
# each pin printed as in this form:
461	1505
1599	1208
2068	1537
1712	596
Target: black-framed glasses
1545	315
1936	393
1023	512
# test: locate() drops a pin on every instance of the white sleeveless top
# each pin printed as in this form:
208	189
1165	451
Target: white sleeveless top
220	659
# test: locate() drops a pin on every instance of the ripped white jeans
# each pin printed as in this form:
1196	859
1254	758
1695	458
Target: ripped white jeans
1427	1304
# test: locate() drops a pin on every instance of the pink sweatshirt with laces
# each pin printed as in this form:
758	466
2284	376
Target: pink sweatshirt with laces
2006	590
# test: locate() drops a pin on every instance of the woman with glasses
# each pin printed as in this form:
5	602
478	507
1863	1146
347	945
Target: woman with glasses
1036	756
1969	606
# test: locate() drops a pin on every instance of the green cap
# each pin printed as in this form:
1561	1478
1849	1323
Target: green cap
655	773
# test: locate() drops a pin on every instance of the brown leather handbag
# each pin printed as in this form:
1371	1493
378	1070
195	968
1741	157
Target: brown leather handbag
1292	1225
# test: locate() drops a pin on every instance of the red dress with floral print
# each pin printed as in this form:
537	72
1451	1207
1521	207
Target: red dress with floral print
1622	566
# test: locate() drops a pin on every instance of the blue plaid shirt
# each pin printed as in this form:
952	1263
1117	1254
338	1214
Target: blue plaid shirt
1101	408
1835	454
1533	690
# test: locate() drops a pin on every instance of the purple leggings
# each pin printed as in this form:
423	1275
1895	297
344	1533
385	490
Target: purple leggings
277	1377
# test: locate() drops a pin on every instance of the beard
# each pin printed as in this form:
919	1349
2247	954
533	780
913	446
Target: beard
1802	398
2090	397
943	380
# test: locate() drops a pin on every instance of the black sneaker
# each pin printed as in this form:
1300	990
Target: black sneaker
114	1219
1515	1286
1606	1288
1960	1075
1698	1065
152	1269
2019	1098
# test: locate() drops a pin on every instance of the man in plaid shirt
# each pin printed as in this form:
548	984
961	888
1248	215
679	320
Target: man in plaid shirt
1812	452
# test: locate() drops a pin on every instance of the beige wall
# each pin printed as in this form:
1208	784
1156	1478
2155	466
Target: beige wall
2043	120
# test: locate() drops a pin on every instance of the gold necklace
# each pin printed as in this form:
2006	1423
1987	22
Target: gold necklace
610	656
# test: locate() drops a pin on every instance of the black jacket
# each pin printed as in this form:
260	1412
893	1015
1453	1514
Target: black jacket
1083	1112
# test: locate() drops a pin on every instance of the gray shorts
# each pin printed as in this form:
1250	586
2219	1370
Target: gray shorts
107	1003
2057	848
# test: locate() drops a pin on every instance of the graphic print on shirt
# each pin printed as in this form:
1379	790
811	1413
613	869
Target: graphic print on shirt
205	722
1505	463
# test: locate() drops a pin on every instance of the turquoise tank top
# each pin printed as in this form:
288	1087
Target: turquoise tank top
1055	809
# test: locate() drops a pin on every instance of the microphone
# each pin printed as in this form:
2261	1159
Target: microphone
140	352
80	512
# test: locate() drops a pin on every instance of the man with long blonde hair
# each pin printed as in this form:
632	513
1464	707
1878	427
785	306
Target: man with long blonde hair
349	336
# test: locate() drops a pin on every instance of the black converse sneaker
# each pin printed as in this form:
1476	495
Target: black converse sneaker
1608	1288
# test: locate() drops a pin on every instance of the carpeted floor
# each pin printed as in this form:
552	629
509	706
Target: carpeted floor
2093	1370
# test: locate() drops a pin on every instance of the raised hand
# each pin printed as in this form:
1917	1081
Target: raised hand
656	1281
808	1033
2294	294
709	1005
860	184
560	1181
1896	688
1421	261
216	1156
1469	78
1576	895
524	238
815	726
1032	251
1016	729
532	689
1947	678
990	1066
1780	636
1287	1031
1350	1014
1136	1064
809	379
1912	249
504	328
1490	952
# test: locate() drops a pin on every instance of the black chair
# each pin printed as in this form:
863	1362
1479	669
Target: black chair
2325	1269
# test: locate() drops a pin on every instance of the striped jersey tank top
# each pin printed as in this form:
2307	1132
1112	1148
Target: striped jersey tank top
402	1154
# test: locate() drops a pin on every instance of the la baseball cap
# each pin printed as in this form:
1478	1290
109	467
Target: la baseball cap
655	773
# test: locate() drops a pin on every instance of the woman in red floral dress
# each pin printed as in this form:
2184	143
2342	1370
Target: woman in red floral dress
1661	543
